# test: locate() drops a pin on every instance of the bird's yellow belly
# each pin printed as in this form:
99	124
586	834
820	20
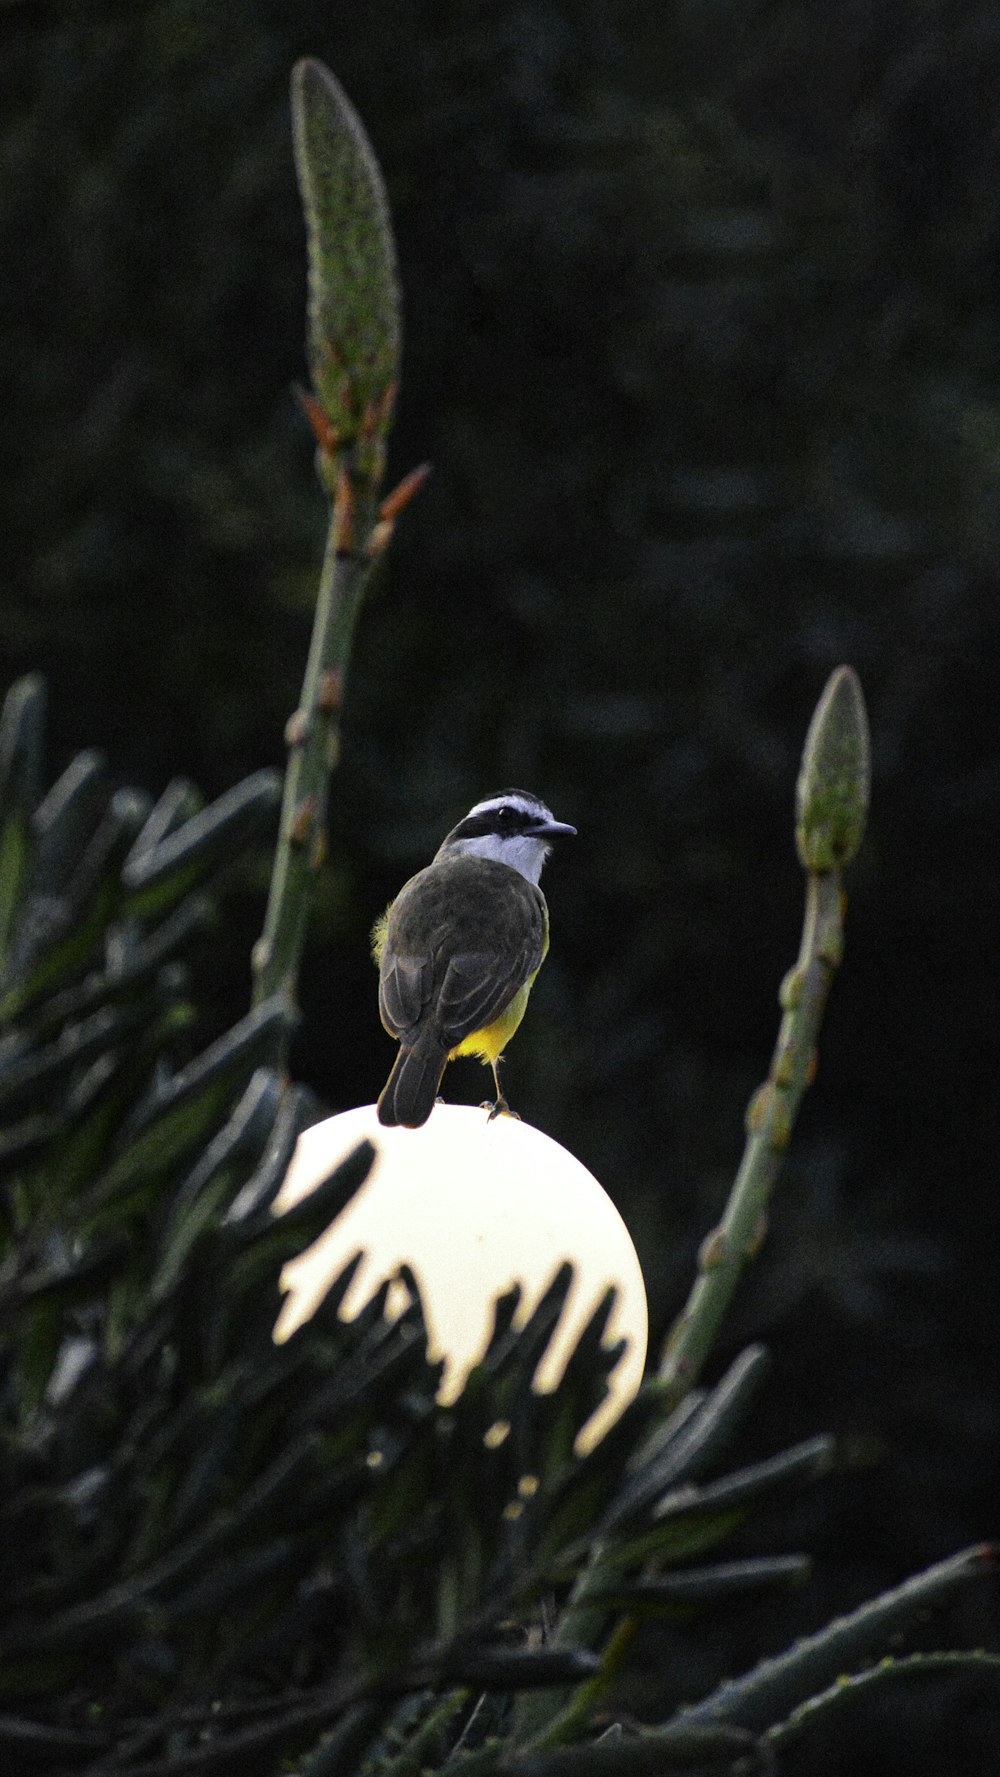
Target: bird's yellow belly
492	1041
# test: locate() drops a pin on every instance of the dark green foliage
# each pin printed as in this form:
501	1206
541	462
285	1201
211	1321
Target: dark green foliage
220	1553
781	1684
693	479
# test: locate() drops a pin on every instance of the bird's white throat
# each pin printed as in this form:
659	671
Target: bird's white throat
520	851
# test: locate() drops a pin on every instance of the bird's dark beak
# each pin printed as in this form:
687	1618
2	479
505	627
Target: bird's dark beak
553	830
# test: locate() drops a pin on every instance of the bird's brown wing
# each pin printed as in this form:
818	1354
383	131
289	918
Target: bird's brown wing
404	989
477	939
478	986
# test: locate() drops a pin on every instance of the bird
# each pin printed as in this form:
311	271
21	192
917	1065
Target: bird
459	948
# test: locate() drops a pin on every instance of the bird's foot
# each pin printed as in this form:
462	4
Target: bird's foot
500	1109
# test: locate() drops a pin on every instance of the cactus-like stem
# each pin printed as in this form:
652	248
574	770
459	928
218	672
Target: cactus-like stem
770	1118
312	735
354	341
832	802
831	808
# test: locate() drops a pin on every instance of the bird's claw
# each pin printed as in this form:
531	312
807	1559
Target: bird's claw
500	1109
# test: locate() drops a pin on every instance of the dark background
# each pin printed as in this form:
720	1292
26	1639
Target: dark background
702	338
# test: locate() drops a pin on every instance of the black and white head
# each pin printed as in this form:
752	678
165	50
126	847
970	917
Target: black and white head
512	827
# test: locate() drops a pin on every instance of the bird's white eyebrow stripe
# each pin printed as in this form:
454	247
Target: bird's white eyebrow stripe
524	804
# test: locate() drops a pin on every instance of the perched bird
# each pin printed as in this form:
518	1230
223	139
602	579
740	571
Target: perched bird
459	948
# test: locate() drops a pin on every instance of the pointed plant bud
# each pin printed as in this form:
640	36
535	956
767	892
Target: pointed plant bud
354	322
834	783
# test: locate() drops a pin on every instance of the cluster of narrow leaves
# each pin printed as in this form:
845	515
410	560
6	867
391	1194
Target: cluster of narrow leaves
219	1554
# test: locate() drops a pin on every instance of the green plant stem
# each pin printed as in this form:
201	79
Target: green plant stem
770	1119
313	735
842	1695
554	1718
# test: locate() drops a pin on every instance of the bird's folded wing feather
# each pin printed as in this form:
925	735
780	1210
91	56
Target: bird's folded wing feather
403	991
478	986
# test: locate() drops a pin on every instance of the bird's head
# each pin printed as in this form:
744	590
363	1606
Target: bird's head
512	827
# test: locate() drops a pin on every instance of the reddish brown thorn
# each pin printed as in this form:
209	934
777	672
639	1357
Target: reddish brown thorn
403	492
331	690
379	538
296	729
714	1251
344	513
324	433
303	821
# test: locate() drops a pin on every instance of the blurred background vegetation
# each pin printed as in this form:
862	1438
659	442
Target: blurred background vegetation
702	340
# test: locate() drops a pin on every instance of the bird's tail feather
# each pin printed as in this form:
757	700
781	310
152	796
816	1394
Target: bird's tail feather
409	1092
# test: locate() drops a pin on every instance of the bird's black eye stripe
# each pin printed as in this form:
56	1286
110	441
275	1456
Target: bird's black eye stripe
474	826
506	819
